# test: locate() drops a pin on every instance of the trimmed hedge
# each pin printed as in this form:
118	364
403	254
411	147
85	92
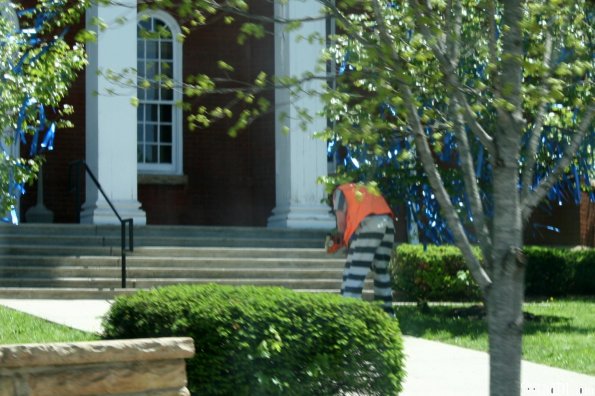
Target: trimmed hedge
584	278
438	273
559	271
269	341
434	273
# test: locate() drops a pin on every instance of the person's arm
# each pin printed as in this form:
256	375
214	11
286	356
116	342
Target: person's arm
340	216
340	209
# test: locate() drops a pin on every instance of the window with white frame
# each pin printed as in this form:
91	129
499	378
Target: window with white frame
159	70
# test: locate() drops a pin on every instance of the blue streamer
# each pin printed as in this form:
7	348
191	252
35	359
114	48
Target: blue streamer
547	227
34	43
12	217
577	185
479	163
33	149
344	64
421	204
21	119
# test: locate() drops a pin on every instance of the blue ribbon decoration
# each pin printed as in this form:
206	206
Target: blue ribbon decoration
479	162
48	140
31	39
577	185
12	217
422	205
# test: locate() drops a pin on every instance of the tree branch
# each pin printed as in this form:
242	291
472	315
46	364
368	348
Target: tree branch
334	11
448	210
453	45
492	43
466	159
448	69
529	166
531	201
509	87
423	149
470	183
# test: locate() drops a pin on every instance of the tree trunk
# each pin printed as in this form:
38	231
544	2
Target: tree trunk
504	299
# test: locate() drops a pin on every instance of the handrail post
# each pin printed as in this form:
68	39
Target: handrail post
78	192
74	183
123	240
123	222
131	235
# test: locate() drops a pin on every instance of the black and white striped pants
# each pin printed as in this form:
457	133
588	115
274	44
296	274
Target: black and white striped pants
371	247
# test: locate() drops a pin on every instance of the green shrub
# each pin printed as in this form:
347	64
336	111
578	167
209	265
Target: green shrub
550	271
269	341
584	279
559	271
439	273
434	273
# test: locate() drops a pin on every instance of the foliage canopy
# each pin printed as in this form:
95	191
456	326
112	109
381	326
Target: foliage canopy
37	66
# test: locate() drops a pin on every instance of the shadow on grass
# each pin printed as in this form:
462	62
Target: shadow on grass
418	322
470	321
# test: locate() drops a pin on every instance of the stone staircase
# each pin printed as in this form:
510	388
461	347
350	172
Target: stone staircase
84	261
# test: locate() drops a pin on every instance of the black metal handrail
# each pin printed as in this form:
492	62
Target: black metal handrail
75	184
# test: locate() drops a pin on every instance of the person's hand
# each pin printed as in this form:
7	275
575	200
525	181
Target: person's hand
333	243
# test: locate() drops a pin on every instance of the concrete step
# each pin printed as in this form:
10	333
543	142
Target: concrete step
168	262
7	249
243	252
166	272
183	241
331	285
55	282
235	262
158	230
46	259
161	251
58	240
26	261
107	235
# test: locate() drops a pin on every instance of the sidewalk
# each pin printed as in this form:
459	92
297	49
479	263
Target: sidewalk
433	369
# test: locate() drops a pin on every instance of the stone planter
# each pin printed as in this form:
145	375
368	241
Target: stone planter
148	366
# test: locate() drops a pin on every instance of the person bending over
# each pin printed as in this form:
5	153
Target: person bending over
365	226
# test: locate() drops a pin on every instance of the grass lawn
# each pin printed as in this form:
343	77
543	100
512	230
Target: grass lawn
20	328
558	333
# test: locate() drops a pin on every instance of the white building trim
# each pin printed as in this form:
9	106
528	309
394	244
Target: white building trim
111	118
299	158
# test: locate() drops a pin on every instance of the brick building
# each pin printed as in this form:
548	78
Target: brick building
157	171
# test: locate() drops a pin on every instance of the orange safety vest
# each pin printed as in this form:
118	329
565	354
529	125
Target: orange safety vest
360	204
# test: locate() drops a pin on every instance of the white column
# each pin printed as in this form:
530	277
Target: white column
299	158
111	118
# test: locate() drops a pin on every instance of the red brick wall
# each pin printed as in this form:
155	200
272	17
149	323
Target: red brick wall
230	181
566	218
575	221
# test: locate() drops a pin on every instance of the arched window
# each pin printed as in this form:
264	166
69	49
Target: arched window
159	119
